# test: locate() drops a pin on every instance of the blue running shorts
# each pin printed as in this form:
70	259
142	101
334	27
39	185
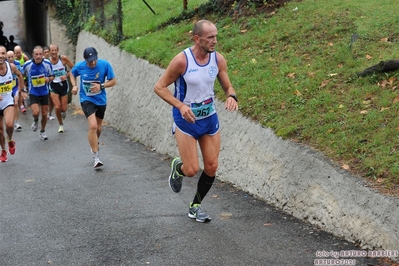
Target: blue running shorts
205	126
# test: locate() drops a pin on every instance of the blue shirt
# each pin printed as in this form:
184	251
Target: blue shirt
99	74
37	74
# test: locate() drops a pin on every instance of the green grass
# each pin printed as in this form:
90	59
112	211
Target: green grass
294	72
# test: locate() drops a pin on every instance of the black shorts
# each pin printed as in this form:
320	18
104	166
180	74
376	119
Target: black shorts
60	88
90	108
41	100
2	111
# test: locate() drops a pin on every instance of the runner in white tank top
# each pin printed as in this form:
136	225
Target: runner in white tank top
59	87
7	103
193	72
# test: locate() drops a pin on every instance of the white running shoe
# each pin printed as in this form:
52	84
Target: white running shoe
34	126
43	136
50	117
17	127
61	129
97	162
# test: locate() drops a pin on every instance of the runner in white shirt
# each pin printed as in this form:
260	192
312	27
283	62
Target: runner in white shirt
7	103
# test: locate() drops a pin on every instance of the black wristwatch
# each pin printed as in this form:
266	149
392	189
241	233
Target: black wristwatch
102	86
234	97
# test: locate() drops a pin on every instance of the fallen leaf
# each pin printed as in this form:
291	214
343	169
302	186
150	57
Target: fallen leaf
291	75
330	44
297	93
333	74
214	196
254	61
363	112
384	39
368	57
78	112
384	108
243	31
341	106
396	99
225	216
345	166
324	83
267	224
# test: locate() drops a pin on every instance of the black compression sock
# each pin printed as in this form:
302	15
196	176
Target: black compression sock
204	185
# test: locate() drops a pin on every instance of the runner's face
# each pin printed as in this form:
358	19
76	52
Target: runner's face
46	54
92	64
38	55
3	55
208	39
10	57
53	52
18	54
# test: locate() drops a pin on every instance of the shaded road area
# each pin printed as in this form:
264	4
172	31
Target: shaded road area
55	209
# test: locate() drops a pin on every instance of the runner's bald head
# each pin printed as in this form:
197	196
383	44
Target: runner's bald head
199	26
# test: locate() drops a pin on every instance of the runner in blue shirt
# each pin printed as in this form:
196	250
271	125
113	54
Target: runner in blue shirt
95	75
39	73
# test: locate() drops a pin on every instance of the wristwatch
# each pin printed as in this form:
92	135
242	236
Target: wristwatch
102	86
234	97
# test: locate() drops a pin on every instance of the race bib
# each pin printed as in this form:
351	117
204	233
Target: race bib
6	87
203	109
87	84
59	72
39	81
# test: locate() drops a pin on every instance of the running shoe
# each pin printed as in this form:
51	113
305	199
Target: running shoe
23	109
195	212
34	126
11	147
17	126
61	129
175	179
97	162
63	115
43	136
3	156
50	117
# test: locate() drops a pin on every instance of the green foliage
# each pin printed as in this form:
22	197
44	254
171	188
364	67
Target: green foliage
72	14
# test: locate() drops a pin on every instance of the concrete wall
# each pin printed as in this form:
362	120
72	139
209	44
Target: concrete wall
290	176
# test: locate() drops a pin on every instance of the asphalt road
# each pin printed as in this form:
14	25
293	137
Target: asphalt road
56	209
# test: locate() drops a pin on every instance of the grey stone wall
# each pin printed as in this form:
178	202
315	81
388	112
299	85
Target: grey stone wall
290	176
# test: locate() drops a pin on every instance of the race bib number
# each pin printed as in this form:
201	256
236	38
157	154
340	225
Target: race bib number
38	81
6	87
59	72
203	109
87	84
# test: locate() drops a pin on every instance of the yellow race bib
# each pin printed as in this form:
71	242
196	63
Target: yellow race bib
38	81
6	87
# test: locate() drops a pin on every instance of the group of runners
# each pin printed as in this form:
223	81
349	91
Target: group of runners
39	81
195	120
